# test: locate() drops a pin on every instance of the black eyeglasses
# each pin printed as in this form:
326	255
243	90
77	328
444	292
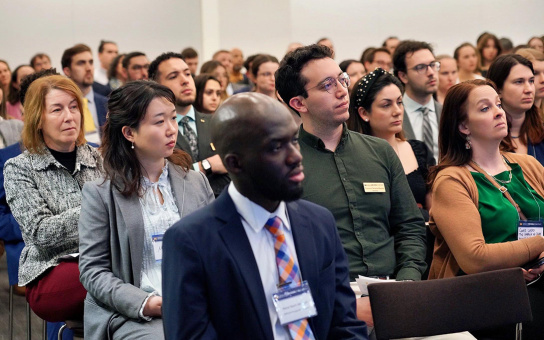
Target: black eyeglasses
422	68
331	84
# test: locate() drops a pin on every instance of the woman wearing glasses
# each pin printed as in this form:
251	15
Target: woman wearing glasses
263	69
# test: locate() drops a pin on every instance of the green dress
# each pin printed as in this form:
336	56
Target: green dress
499	217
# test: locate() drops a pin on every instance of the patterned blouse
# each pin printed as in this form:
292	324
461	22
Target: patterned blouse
45	199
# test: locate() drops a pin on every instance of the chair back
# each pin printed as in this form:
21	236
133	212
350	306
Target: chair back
464	303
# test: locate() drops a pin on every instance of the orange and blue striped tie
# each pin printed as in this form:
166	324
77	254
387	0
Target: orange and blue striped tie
289	273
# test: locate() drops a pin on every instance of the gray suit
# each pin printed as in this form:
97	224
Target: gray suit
407	126
111	242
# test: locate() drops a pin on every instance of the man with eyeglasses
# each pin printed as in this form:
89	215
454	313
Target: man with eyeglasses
358	178
416	67
135	66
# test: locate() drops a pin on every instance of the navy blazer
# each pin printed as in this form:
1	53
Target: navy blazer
101	104
211	283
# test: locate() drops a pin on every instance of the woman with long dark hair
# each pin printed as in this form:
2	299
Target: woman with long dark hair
148	187
208	93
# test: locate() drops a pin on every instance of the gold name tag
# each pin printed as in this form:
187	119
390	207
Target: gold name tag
374	187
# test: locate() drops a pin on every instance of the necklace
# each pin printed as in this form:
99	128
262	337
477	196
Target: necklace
514	136
498	180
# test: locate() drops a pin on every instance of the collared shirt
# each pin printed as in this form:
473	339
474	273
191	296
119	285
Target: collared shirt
192	120
101	75
383	233
93	137
415	115
254	218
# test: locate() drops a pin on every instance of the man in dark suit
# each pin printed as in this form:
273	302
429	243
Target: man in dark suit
77	64
222	263
416	67
170	70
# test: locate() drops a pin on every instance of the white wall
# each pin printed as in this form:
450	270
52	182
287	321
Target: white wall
30	26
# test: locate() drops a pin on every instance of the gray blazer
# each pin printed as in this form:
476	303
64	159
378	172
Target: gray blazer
10	131
407	126
111	242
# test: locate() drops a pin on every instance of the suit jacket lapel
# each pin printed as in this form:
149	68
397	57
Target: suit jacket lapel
134	223
407	127
234	236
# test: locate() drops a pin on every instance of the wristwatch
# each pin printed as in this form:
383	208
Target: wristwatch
207	167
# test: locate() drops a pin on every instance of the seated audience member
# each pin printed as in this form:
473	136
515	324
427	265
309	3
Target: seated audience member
223	264
216	69
447	76
170	70
135	66
5	76
467	62
358	178
247	65
391	44
225	58
190	56
107	51
3	100
417	68
124	216
236	75
514	77
507	46
472	217
40	61
376	109
14	108
208	93
328	43
116	75
263	68
355	71
43	190
537	59
537	43
77	64
378	57
489	48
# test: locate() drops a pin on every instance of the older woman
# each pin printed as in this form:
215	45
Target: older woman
480	226
43	189
515	80
148	187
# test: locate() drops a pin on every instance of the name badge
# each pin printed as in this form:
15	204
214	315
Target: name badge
374	187
156	241
530	228
294	303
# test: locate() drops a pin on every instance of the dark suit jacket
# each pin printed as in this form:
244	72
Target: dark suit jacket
407	126
217	182
211	283
103	90
101	104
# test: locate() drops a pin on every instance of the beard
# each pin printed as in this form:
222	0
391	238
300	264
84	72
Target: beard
185	101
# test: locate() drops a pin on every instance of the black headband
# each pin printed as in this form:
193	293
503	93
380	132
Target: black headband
365	83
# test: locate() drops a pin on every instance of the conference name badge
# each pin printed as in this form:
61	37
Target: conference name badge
373	187
156	241
294	303
530	228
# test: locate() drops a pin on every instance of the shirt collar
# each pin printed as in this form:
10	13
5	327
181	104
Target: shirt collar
84	156
90	96
317	143
190	114
255	215
411	105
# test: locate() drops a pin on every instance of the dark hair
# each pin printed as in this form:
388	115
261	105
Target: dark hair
451	142
66	60
261	59
154	66
385	41
112	69
365	53
13	93
127	106
104	42
210	66
36	56
404	48
458	50
189	52
26	81
506	44
3	104
344	65
129	56
200	84
482	41
532	126
289	82
355	122
369	56
249	61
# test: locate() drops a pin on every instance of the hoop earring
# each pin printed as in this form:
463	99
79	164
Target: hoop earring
468	144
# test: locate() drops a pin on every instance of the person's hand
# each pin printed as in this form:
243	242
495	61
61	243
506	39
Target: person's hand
153	306
217	165
533	273
364	312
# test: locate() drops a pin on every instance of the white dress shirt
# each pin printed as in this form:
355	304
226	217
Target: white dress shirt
415	115
254	218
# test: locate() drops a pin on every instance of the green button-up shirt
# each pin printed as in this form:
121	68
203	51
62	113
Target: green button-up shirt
383	233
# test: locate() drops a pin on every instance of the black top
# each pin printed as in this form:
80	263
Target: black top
67	159
417	179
